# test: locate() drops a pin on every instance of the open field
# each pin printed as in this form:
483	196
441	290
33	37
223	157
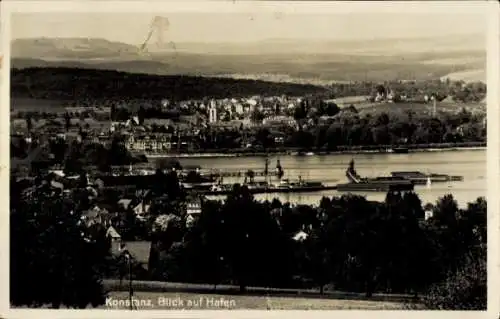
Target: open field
249	302
468	76
452	61
375	108
21	104
256	297
348	100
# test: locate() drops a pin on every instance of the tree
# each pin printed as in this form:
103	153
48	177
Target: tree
445	211
67	121
318	258
257	116
464	288
141	115
250	174
113	112
118	153
264	138
380	89
29	122
205	243
300	111
53	261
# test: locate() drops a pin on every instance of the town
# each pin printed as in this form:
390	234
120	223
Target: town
94	162
255	160
270	123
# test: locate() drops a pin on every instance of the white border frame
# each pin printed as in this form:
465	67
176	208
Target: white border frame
228	6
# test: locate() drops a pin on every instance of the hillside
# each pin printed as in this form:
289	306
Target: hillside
46	47
473	75
318	62
69	48
76	83
310	71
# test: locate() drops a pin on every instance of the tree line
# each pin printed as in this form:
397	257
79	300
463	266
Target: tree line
349	128
74	84
352	244
64	83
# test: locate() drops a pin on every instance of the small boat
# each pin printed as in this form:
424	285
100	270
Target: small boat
377	184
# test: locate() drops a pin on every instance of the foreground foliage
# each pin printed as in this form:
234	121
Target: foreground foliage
53	261
345	243
464	289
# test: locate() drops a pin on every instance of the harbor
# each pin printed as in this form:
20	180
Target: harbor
330	170
214	182
399	181
296	179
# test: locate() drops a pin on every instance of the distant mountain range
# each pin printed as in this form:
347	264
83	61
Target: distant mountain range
311	61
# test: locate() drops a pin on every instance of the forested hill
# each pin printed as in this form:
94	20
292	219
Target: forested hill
78	83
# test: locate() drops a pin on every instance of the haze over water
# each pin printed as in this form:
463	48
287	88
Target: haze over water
471	164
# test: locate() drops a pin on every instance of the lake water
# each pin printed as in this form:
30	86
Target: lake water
330	169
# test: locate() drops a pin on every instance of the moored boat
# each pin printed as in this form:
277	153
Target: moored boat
377	184
227	189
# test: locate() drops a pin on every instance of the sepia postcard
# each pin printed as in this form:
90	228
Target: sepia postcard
245	158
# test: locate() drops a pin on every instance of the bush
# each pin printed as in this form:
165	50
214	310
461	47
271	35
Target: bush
464	289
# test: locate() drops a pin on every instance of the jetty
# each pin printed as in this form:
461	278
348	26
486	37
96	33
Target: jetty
237	173
271	190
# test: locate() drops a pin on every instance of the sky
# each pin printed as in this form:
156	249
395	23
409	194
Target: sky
132	28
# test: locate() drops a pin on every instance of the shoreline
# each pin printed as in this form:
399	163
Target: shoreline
320	153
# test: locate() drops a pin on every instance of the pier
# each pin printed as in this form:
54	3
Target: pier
271	190
239	173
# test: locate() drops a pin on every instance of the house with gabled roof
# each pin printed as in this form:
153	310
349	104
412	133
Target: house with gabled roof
124	203
142	210
115	238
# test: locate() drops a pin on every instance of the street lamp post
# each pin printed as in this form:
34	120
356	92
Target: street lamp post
130	291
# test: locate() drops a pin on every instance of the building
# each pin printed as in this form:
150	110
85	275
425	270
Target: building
159	142
124	203
102	139
194	207
193	211
212	112
280	120
142	210
115	238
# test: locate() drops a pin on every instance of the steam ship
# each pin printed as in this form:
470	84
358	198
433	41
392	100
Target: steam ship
377	184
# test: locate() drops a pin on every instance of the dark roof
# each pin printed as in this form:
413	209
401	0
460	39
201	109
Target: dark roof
139	250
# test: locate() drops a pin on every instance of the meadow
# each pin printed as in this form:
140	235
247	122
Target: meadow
254	302
418	108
